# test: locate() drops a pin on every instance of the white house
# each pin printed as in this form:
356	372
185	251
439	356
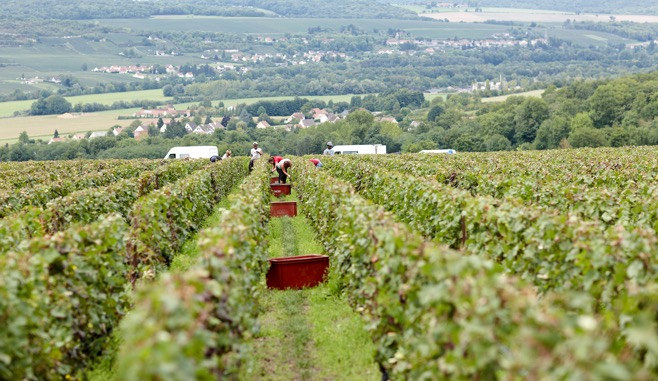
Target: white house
263	124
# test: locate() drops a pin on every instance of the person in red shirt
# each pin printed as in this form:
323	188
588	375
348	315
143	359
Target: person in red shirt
282	167
274	160
316	162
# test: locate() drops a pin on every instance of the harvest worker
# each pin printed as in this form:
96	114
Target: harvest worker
274	160
330	149
255	155
316	162
227	154
254	149
282	168
214	158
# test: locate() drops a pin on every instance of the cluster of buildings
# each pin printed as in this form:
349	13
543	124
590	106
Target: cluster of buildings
499	40
311	56
315	117
140	71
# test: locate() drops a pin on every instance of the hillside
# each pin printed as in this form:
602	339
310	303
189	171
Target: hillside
586	6
99	9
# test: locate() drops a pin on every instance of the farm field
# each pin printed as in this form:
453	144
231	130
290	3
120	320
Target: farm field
281	26
56	56
544	263
527	16
9	108
587	37
503	98
422	10
43	127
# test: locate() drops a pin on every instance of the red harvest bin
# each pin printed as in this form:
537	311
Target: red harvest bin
274	180
283	208
297	272
280	189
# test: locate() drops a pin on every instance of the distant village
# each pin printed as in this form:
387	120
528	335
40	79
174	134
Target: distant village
237	61
149	119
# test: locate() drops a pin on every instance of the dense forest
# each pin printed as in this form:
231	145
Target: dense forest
99	9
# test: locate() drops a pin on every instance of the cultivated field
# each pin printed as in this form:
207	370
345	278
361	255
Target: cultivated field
519	15
43	127
503	98
281	26
541	262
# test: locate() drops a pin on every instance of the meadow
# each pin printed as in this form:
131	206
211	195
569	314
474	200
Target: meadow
528	15
503	98
9	108
282	26
43	127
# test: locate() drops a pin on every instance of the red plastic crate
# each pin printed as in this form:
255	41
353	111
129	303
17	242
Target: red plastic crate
280	189
274	180
297	272
283	208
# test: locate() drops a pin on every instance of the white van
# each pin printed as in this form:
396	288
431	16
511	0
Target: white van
360	149
448	151
193	152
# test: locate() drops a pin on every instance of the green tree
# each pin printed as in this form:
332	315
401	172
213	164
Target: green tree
497	143
551	132
245	116
23	138
581	120
529	116
435	112
57	104
175	130
609	102
620	137
588	137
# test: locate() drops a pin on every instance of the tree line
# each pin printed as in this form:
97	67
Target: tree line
586	113
99	9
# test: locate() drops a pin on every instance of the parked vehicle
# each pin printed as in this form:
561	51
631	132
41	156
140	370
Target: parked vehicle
193	152
448	151
360	149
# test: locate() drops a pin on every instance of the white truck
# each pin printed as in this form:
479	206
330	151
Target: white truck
362	148
193	152
448	151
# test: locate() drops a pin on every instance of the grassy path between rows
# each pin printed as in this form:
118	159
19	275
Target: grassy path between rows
309	334
103	369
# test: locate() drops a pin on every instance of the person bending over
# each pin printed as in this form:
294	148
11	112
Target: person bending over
282	167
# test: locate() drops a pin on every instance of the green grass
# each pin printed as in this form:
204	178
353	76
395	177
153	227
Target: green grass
340	336
587	37
190	250
420	9
309	334
43	127
280	26
103	368
503	98
429	97
233	102
8	108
